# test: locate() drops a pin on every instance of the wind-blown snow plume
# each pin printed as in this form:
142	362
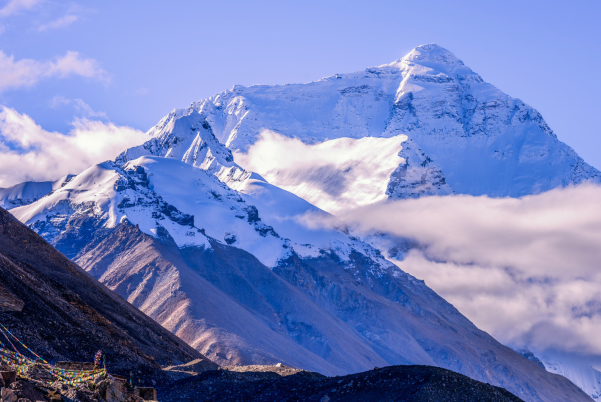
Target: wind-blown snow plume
28	152
525	270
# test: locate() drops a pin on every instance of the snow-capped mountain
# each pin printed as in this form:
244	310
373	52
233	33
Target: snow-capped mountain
249	268
188	138
580	371
463	135
584	375
28	192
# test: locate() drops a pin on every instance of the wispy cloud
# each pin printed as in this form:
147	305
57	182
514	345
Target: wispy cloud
80	106
62	22
28	152
16	74
16	6
141	91
526	270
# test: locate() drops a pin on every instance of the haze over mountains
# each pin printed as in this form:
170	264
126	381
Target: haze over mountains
250	268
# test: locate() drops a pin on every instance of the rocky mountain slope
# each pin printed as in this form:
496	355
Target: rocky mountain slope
62	313
258	275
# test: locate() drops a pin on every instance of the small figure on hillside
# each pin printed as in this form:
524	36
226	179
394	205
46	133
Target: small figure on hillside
131	379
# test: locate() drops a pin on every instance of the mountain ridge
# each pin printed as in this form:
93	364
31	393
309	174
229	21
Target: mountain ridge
460	129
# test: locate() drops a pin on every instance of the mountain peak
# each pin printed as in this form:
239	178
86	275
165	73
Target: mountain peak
432	53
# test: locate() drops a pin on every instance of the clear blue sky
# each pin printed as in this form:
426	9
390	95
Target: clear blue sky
162	55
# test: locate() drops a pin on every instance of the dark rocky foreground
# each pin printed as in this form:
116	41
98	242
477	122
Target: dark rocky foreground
99	390
62	313
394	383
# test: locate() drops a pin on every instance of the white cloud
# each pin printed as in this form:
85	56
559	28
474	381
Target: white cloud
334	175
86	110
15	6
28	152
61	22
526	270
58	101
27	72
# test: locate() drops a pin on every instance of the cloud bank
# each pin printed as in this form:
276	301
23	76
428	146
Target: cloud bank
22	73
28	152
334	175
526	270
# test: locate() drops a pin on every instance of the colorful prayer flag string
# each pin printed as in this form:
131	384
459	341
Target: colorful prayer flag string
22	344
22	364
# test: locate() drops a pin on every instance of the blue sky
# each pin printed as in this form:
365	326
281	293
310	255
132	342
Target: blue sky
137	60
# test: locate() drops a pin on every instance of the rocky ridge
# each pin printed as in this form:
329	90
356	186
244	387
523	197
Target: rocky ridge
395	383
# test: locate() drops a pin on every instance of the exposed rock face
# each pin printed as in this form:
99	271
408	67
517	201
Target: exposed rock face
397	383
68	315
